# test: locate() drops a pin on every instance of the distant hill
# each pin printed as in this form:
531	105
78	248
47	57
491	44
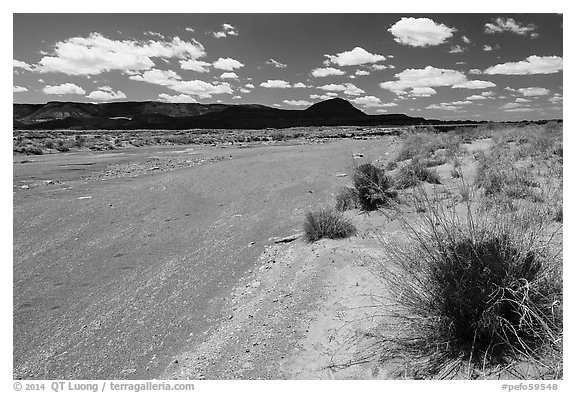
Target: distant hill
178	116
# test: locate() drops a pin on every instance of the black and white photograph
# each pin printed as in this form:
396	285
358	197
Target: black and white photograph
287	196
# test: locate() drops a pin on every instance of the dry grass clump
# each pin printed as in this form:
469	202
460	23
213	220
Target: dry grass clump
373	187
426	145
347	199
474	296
327	223
415	172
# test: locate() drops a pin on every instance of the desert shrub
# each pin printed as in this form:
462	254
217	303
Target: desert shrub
473	296
415	172
278	136
28	150
373	186
49	143
327	223
347	199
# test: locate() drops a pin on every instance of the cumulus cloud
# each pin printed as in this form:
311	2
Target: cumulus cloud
275	84
180	98
521	100
475	71
275	63
299	85
380	67
21	64
227	64
65	88
533	91
326	71
19	89
485	95
510	105
474	84
372	102
96	54
229	75
486	48
423	92
456	49
346	88
420	32
326	96
157	77
362	72
426	77
556	98
356	56
532	65
501	25
227	30
105	95
201	89
249	86
297	102
443	106
524	109
466	39
195	65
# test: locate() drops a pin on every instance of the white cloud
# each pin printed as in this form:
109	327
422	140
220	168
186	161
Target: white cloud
249	86
275	63
519	110
459	103
227	30
200	88
96	54
181	98
486	48
362	72
65	88
521	100
372	102
532	65
99	95
443	106
21	64
474	84
356	56
346	88
380	67
466	39
275	84
423	92
427	77
533	91
299	85
500	25
510	105
297	102
245	91
326	96
157	77
229	75
189	29
456	49
195	65
485	95
227	64
475	71
556	98
236	97
18	89
420	32
326	71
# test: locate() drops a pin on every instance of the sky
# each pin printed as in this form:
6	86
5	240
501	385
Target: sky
501	67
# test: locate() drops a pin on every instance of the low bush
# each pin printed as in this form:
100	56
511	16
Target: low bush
473	297
373	186
327	223
347	199
415	172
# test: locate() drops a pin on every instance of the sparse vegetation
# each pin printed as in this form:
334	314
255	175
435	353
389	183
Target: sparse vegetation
474	296
415	172
347	199
327	223
373	186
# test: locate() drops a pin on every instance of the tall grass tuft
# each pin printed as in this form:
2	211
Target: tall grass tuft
474	296
327	223
415	172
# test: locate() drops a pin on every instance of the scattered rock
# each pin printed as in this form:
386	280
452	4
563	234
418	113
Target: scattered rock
288	239
25	186
85	197
341	175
